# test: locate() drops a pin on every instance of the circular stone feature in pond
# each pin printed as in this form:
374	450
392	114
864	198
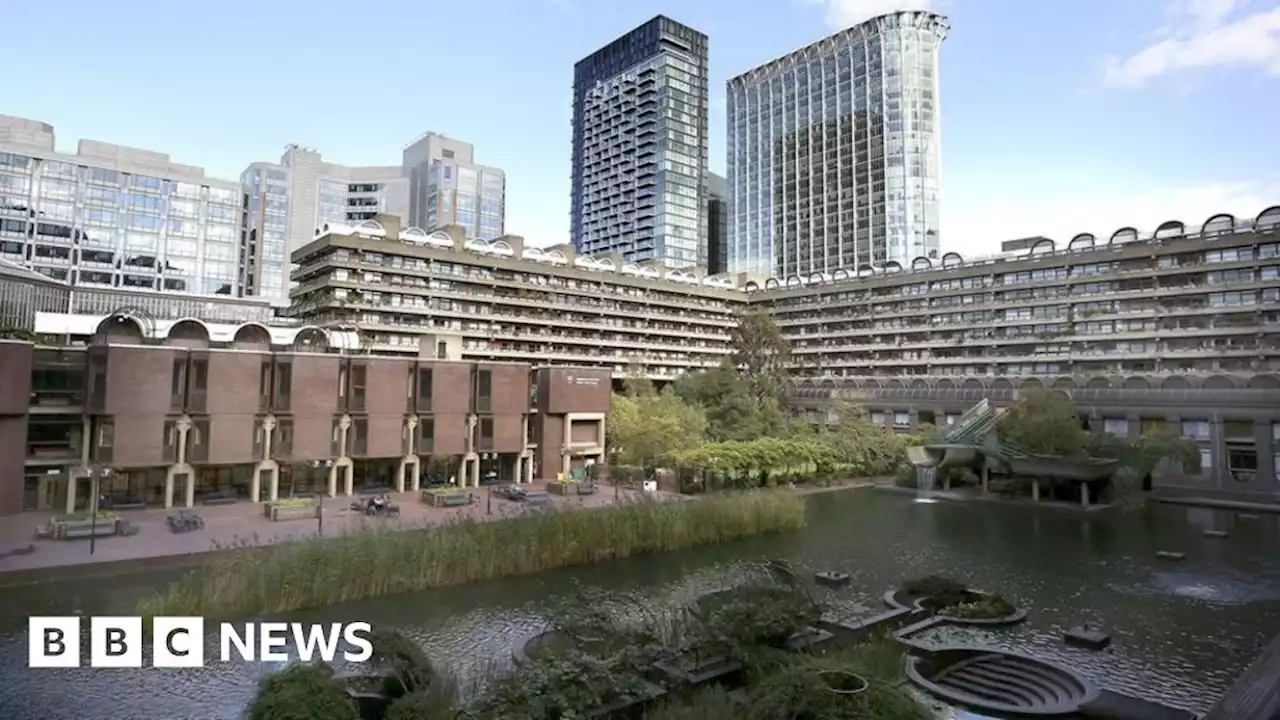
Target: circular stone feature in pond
1000	682
832	578
843	682
544	643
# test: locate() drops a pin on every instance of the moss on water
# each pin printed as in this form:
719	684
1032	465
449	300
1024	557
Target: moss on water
376	562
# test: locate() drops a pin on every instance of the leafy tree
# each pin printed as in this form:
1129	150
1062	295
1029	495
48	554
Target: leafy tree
645	428
732	409
761	353
860	446
1044	422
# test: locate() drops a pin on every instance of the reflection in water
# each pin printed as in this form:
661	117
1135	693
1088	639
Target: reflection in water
1182	632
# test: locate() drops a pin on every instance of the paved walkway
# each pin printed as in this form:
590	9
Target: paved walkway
243	524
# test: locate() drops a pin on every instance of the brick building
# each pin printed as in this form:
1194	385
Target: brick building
256	413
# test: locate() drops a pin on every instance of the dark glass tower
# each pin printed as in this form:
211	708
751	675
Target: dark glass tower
640	146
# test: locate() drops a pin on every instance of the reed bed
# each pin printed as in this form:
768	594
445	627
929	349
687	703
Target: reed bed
375	562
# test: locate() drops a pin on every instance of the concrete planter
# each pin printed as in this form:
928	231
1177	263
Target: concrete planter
278	512
694	672
73	529
446	497
562	488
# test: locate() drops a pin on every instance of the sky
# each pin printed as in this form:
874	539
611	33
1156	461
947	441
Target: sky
1058	116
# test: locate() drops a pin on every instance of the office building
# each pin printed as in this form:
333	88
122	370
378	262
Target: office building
210	413
834	152
717	242
116	217
640	146
447	187
507	302
288	200
1176	332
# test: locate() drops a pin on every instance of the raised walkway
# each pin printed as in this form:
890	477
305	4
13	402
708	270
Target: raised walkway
243	524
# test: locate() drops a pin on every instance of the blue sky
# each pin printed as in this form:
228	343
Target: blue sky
1058	116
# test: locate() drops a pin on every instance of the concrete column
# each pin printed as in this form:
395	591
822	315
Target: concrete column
1084	494
565	464
255	485
416	478
349	479
986	478
332	477
73	483
1035	490
475	472
168	489
1268	473
400	476
518	475
273	488
190	498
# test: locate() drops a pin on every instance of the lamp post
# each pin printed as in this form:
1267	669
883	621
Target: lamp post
96	473
316	465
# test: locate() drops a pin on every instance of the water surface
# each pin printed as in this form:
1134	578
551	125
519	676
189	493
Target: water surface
1183	630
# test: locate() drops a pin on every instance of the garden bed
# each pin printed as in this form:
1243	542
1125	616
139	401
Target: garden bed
446	497
695	671
291	509
955	602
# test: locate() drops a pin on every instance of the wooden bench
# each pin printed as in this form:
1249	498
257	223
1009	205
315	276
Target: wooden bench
219	500
129	506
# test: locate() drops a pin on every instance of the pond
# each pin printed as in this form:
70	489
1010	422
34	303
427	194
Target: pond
1183	630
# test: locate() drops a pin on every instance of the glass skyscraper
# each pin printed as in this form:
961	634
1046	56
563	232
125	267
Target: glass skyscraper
834	152
640	146
118	217
447	187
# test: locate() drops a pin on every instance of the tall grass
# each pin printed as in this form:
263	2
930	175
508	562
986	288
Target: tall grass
375	562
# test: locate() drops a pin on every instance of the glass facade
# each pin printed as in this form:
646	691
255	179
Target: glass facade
267	203
834	152
450	192
640	146
103	227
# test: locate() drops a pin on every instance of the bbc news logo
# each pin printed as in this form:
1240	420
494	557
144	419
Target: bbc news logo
179	642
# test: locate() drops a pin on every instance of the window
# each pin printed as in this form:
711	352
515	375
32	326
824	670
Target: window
486	434
106	433
199	385
1242	463
425	380
178	386
169	442
1195	429
426	435
284	437
359	376
264	387
442	351
359	437
284	385
1118	427
1206	461
484	390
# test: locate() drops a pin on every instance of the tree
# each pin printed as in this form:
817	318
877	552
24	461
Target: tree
732	410
643	429
761	353
1044	422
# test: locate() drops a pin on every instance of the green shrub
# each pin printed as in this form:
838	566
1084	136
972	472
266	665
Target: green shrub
986	607
302	691
558	686
803	687
761	615
936	592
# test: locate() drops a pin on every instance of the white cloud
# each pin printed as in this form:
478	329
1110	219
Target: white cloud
1205	34
843	14
975	228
